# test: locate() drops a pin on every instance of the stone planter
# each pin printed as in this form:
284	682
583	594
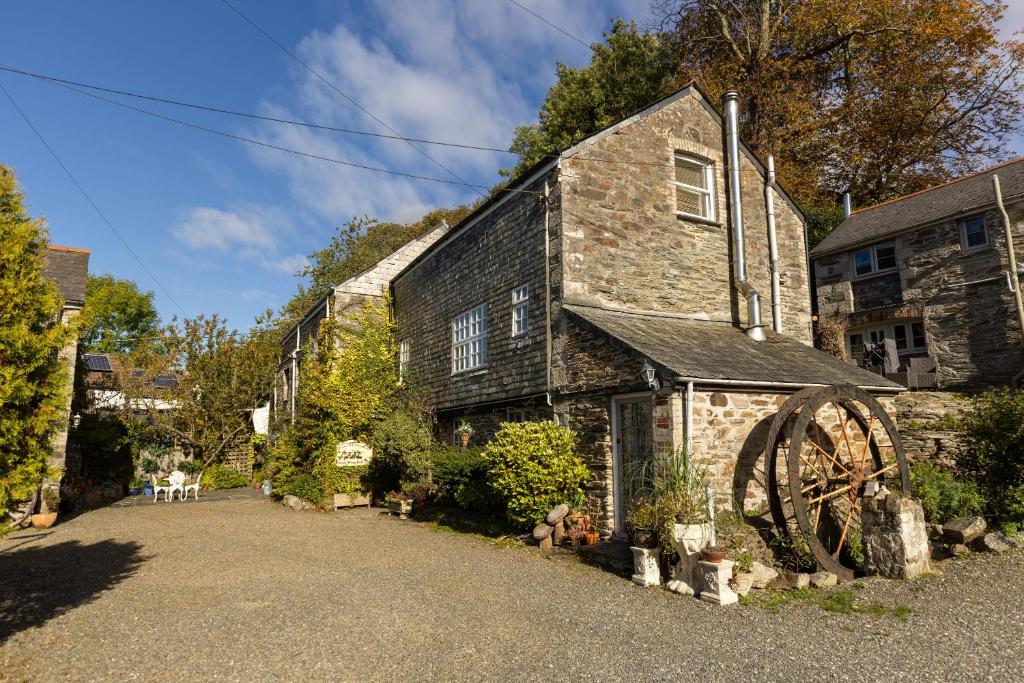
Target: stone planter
348	500
44	521
402	508
646	566
689	540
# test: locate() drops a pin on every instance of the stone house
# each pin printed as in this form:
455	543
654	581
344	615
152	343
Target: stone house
618	288
339	304
931	272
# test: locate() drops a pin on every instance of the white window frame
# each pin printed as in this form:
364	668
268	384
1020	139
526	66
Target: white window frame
886	331
963	235
875	270
469	340
708	192
520	310
403	359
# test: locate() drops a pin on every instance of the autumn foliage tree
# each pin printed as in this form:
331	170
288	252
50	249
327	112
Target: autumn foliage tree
33	378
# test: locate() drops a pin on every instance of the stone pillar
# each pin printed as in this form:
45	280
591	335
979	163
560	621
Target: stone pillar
715	582
646	571
894	536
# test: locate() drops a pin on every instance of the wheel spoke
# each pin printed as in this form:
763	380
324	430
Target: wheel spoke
885	469
825	453
830	494
867	442
842	537
846	437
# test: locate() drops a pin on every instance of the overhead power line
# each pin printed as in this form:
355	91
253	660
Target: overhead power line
549	23
335	88
89	199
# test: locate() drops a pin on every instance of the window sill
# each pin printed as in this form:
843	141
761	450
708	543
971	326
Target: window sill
966	253
698	219
888	271
466	374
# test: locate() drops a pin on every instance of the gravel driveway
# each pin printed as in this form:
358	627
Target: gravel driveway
238	588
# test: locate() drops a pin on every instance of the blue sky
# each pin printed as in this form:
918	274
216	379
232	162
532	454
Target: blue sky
224	225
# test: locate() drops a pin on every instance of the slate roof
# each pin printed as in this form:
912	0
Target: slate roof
713	351
69	268
962	196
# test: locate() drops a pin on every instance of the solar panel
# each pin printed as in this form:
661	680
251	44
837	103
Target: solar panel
97	362
165	381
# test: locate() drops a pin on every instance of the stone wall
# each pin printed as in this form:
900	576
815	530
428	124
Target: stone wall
625	247
971	330
926	424
590	418
487	420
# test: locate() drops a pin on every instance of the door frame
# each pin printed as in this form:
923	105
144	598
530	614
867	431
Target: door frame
618	504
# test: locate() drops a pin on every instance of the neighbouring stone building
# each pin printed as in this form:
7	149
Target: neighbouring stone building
931	272
339	304
617	288
68	268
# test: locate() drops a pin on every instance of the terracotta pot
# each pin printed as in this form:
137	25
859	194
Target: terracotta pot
714	556
591	537
644	538
44	521
464	437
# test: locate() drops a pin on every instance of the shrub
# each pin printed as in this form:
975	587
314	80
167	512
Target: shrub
302	485
460	475
533	468
992	453
220	476
401	444
333	479
942	495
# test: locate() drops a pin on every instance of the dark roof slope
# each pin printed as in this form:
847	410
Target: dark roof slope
964	195
69	268
712	351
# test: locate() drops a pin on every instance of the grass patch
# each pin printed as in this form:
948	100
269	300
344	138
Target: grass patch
836	602
497	541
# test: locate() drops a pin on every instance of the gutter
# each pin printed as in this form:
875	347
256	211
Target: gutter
709	382
1011	254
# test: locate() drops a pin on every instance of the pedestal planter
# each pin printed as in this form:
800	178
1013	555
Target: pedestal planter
402	508
646	569
44	521
689	540
715	582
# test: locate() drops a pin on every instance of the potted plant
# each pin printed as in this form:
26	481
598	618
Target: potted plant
713	554
642	522
400	503
47	515
592	521
136	486
465	432
150	467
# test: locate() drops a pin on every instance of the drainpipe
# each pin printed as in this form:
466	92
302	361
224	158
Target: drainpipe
847	205
755	330
1014	279
773	246
547	289
688	429
295	368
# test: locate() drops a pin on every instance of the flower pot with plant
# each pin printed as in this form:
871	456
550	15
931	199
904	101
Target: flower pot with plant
713	554
149	467
47	515
399	503
465	432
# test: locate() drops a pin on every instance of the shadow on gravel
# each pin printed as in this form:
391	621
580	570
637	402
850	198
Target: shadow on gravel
43	582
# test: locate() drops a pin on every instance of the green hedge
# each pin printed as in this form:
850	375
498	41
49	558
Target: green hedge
942	495
533	467
461	477
303	485
220	476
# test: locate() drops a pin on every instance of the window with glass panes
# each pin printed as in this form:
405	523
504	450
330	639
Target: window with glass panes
469	339
876	259
694	187
909	338
973	233
520	310
403	359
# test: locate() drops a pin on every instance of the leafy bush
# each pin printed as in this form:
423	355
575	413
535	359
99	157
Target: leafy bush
302	485
460	475
220	476
942	495
533	467
401	444
992	454
333	479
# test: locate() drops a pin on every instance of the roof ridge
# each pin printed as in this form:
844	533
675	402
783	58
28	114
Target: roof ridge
941	185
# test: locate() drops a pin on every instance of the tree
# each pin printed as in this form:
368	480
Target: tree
116	315
198	383
878	97
33	378
627	72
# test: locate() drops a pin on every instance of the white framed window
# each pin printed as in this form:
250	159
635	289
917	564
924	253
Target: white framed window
871	260
694	187
403	359
520	310
973	234
909	338
469	339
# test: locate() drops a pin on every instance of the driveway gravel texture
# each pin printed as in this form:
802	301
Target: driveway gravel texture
238	588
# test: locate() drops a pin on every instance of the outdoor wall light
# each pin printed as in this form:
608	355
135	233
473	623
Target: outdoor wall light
76	420
649	374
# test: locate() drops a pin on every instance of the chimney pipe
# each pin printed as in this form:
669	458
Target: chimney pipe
847	205
773	246
755	330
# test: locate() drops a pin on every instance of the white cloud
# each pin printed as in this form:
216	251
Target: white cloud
286	264
206	227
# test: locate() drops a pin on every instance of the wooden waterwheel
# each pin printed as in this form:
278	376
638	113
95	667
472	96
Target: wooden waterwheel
826	446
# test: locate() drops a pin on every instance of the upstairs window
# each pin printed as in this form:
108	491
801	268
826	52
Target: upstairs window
694	187
469	340
877	259
973	234
403	359
520	310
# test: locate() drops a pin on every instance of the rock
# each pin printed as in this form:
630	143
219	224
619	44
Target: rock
743	582
557	514
935	531
558	534
681	587
796	579
964	529
542	531
894	537
294	502
762	574
959	549
824	579
545	543
995	542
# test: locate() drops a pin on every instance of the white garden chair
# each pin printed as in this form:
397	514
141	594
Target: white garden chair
194	487
157	488
177	479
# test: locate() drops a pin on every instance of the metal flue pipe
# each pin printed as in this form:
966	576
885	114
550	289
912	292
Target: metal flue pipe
755	330
773	246
847	205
